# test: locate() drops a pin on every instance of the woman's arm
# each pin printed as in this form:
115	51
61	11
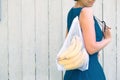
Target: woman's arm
87	25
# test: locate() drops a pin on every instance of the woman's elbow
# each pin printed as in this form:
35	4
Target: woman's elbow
91	50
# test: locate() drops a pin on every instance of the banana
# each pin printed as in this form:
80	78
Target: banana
77	48
73	55
70	48
82	60
68	61
77	63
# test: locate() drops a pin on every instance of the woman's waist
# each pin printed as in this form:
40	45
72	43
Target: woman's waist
94	56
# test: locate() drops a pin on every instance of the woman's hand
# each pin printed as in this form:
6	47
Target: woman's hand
107	33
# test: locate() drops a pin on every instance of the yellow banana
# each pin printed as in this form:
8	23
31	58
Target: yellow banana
77	63
68	50
69	61
73	54
82	60
72	57
77	48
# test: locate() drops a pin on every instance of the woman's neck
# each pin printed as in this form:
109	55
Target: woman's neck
78	4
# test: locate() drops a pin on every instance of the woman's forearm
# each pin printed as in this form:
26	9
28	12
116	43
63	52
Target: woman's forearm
97	46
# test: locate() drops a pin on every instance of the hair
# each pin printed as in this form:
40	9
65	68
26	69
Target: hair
75	0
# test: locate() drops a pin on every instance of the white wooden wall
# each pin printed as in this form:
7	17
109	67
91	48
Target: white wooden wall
32	31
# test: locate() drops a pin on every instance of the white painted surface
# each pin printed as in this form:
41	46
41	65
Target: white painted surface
118	39
4	42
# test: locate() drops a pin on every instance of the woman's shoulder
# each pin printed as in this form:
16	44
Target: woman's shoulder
87	10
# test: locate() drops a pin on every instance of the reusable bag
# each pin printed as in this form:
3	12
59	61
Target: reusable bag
73	54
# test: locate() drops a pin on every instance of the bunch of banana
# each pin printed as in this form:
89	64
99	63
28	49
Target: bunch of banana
78	62
72	50
72	57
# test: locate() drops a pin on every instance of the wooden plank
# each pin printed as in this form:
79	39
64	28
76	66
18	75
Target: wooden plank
97	7
0	10
3	41
109	15
65	9
42	40
118	39
28	39
14	37
55	36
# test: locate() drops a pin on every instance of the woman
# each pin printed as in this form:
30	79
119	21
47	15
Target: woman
93	38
